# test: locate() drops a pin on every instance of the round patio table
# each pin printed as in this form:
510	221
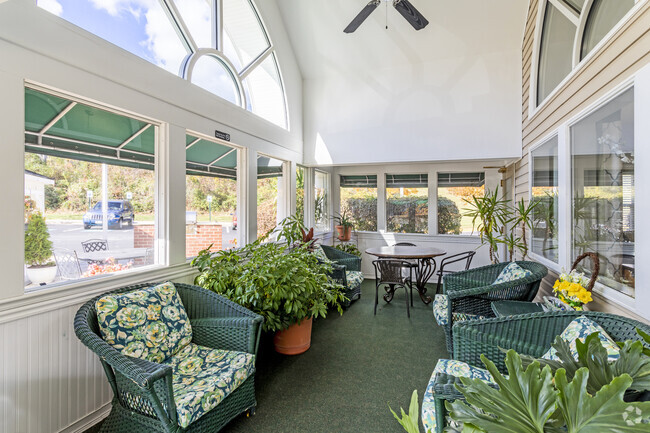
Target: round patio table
425	269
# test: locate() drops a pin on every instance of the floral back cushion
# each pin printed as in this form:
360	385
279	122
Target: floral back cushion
150	323
318	251
580	329
512	272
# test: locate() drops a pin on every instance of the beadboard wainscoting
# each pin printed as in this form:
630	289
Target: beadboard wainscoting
49	381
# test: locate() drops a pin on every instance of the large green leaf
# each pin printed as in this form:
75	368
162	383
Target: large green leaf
524	403
605	412
410	421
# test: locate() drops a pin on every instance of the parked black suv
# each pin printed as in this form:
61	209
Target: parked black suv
120	212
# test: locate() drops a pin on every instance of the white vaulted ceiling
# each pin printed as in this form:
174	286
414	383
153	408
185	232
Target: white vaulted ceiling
450	91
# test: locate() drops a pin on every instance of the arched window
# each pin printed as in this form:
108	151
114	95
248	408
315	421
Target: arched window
219	45
571	29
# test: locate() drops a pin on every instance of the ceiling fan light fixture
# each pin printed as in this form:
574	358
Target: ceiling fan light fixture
404	7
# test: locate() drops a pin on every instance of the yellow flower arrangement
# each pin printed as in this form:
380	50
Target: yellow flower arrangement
570	289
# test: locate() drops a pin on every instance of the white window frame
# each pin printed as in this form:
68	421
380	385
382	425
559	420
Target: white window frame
328	202
161	192
578	64
640	303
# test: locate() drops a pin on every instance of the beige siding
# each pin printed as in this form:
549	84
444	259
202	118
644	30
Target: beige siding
622	55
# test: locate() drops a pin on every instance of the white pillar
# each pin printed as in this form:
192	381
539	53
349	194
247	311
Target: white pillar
104	200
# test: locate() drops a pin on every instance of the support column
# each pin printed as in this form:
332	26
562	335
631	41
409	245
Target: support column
248	196
172	152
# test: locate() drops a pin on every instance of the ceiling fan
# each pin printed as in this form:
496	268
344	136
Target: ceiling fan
404	7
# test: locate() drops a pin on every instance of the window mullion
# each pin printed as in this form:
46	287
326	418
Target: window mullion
565	232
217	28
177	20
567	11
255	63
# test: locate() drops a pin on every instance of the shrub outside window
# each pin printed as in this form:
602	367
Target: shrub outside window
89	190
211	217
270	194
602	163
407	203
453	190
545	192
321	200
300	192
359	200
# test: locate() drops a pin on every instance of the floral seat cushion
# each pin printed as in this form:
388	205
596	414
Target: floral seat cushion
354	278
452	368
320	253
512	272
150	323
441	313
203	377
581	328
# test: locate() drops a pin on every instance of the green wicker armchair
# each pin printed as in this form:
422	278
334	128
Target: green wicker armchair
347	272
469	294
143	398
529	334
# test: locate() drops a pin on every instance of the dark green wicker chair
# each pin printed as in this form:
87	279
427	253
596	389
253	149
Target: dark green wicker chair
471	293
143	399
345	262
529	334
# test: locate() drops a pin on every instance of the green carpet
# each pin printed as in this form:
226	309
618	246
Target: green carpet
357	366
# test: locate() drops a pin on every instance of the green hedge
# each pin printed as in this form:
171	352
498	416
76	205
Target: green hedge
448	217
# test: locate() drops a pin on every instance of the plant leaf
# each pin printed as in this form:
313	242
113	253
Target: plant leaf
605	412
410	421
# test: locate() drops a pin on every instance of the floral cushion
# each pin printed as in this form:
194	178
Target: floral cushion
354	278
203	377
320	253
441	314
581	328
148	323
512	272
452	368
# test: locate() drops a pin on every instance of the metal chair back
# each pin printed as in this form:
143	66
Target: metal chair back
466	256
93	245
67	264
149	256
404	244
389	271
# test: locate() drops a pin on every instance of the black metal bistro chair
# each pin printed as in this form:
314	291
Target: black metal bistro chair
466	256
388	272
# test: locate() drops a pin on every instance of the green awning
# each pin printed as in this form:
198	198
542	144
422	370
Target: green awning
407	181
268	167
208	158
359	181
60	127
450	180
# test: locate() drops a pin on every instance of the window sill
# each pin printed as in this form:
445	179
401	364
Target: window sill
65	295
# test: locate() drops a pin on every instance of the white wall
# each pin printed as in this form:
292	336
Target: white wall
451	91
49	381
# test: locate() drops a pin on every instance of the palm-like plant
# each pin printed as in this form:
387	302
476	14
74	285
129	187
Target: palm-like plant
489	214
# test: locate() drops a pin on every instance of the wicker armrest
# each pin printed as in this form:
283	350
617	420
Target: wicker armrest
351	263
240	334
201	303
143	373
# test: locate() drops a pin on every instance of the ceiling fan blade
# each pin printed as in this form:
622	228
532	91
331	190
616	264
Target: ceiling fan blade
365	13
412	15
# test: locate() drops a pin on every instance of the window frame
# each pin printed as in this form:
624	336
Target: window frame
328	202
377	175
161	201
578	64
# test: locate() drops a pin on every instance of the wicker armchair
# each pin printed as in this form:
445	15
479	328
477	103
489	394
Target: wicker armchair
529	334
344	263
470	293
143	399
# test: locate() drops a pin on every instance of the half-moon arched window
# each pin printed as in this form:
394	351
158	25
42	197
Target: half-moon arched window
219	45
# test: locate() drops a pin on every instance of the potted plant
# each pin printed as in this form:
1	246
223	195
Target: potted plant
349	248
283	282
41	268
344	226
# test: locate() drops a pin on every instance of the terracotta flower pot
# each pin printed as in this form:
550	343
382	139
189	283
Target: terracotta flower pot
294	340
345	233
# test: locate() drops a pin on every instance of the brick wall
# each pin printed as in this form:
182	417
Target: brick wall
206	234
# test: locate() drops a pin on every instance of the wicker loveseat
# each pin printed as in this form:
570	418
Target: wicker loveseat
146	394
529	334
469	294
347	272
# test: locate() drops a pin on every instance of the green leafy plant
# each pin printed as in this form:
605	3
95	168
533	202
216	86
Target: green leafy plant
534	400
633	360
283	282
38	247
349	248
410	421
343	219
